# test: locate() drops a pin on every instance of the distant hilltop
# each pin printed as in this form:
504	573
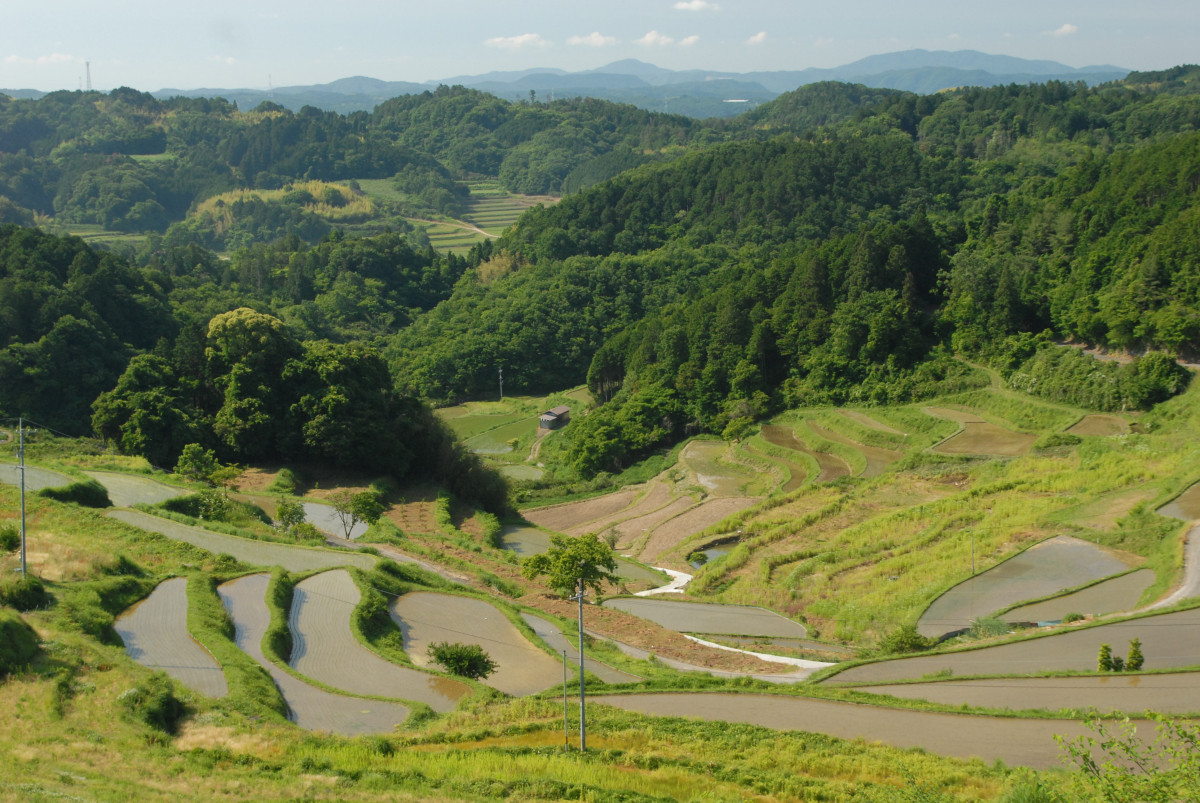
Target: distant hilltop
696	93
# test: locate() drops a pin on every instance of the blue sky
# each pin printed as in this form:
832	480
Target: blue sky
220	43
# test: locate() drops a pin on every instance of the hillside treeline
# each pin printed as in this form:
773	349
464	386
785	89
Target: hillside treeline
839	246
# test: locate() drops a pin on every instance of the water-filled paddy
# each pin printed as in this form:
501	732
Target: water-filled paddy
1043	569
527	541
1186	506
698	617
326	519
1109	596
521	471
127	490
35	478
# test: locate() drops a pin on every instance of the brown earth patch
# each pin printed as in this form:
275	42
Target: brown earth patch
1100	425
657	495
867	421
831	467
695	520
878	459
635	529
564	517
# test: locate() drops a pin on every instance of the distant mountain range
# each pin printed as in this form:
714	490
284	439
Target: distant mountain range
697	93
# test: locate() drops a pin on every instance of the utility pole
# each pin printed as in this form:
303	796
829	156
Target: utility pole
501	383
582	714
21	467
566	727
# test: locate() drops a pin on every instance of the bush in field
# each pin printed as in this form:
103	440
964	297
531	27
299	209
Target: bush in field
1072	617
10	538
905	639
1120	764
307	533
87	493
18	643
1104	660
24	594
289	513
989	626
196	463
154	703
464	660
1135	660
1055	439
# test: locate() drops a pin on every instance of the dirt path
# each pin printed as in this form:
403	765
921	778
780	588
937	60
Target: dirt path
309	707
426	618
324	649
1025	742
1167	694
454	224
249	551
155	635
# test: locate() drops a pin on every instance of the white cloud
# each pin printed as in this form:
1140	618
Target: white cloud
953	37
1065	30
823	41
757	39
227	60
688	41
695	5
517	42
655	38
593	39
53	58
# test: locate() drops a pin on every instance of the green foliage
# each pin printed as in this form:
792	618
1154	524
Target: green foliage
464	660
1073	617
88	493
989	627
1054	440
26	593
905	639
277	642
353	509
1119	765
19	645
1135	661
153	702
196	463
212	505
10	538
289	514
286	481
1104	661
585	559
1071	376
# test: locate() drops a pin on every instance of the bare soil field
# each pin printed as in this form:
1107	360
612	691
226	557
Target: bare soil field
636	531
877	459
309	707
656	495
127	490
980	437
1023	742
254	553
832	467
1053	565
155	634
1168	694
426	618
1100	425
562	518
324	649
697	519
554	639
797	473
1110	596
867	421
1169	641
698	617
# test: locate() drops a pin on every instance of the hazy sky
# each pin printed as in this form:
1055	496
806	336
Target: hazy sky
152	44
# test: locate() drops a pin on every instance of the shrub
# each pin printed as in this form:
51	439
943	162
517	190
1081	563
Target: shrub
1104	661
464	660
906	639
23	593
989	626
18	643
286	482
87	493
1135	660
1073	617
10	538
154	703
1054	439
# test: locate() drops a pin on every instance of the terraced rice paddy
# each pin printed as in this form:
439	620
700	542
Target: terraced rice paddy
867	421
831	466
526	541
494	209
716	476
554	639
35	478
877	459
308	706
1044	569
326	519
1186	506
1021	742
324	648
127	490
697	617
796	473
496	441
980	437
1110	596
246	550
1169	641
155	634
1100	425
1177	693
520	471
426	618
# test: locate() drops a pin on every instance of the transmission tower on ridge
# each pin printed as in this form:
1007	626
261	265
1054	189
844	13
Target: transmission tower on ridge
88	66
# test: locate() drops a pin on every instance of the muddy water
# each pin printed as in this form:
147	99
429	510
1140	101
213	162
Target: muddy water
877	459
553	637
309	707
710	555
1026	742
426	618
1118	594
1186	506
155	634
831	467
527	541
698	617
325	650
717	479
1051	566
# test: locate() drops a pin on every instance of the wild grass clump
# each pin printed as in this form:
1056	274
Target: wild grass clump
153	702
287	482
88	493
19	645
212	505
277	643
24	593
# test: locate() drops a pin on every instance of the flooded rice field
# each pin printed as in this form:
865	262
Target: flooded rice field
1109	596
525	541
127	490
1186	506
554	638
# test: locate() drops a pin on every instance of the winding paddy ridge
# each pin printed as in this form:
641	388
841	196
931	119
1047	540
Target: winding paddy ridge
324	649
1110	596
246	550
426	618
554	638
698	617
1046	568
1169	641
155	635
309	707
831	466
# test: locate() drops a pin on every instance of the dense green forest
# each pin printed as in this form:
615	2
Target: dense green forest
840	244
